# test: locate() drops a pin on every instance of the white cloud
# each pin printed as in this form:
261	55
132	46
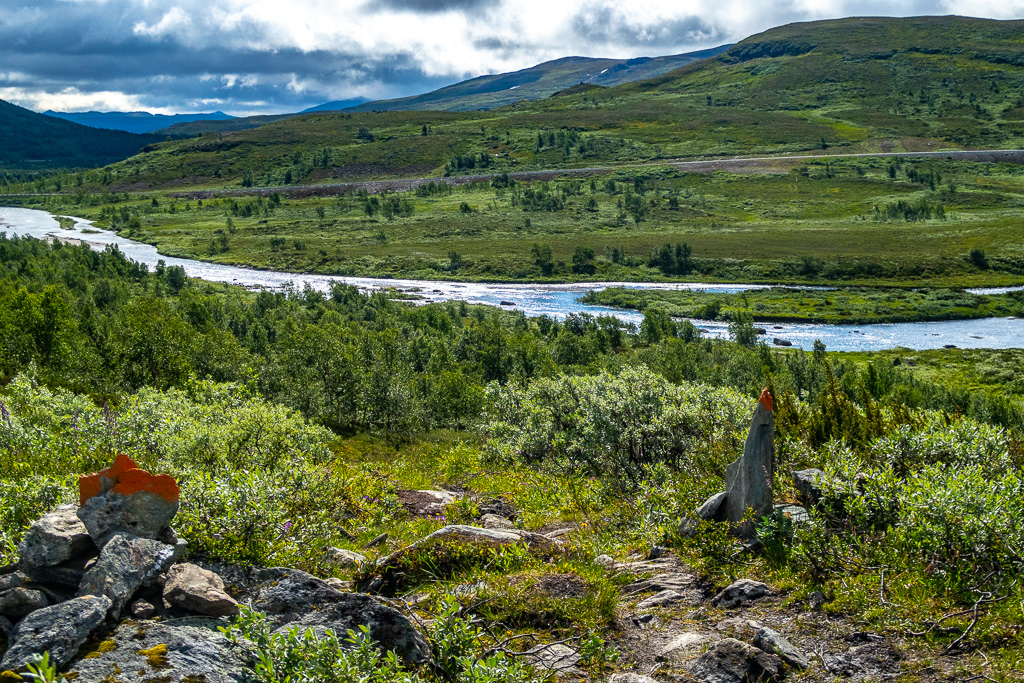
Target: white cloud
173	22
71	99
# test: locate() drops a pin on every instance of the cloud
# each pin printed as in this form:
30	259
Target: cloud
265	56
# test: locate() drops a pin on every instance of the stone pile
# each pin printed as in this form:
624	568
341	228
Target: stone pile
81	566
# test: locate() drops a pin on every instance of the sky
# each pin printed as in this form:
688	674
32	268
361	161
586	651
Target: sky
275	56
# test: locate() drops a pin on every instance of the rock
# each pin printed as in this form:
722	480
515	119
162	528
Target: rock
816	600
490	521
741	629
143	609
708	512
169	653
379	540
808	485
497	506
126	498
55	537
170	537
198	590
5	627
57	629
553	657
15	579
67	574
674	581
426	503
748	481
774	643
683	646
292	598
740	593
781	342
338	584
794	513
604	560
345	558
665	597
732	661
17	602
631	678
658	552
126	564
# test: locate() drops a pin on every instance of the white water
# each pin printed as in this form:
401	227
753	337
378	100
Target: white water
552	300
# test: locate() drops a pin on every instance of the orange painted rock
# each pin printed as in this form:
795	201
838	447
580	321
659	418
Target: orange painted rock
124	498
90	485
766	399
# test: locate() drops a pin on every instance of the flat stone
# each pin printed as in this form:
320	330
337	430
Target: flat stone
496	522
732	661
58	629
293	598
15	579
682	646
553	657
426	503
66	574
631	678
17	602
773	642
198	590
665	581
170	653
665	597
794	513
748	480
54	538
808	485
345	558
126	564
740	593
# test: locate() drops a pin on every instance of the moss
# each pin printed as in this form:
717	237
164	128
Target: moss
9	677
194	678
71	676
94	651
156	656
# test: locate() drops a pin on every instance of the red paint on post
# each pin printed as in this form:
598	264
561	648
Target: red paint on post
766	399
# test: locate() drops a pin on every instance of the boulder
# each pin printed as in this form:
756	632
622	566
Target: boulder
748	481
707	512
126	498
197	590
68	574
631	678
773	642
54	538
292	598
126	564
345	558
142	609
732	661
797	514
170	537
169	653
740	593
15	579
17	602
5	627
58	629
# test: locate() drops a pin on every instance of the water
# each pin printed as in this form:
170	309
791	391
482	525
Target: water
553	300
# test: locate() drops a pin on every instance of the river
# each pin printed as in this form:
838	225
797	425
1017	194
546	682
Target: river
553	300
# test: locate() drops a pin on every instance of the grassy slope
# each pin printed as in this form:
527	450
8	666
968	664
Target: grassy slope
29	141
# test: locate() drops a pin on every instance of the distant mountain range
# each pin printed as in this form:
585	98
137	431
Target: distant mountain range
134	121
483	92
31	140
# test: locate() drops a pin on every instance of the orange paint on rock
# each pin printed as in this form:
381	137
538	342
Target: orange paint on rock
125	477
162	485
766	399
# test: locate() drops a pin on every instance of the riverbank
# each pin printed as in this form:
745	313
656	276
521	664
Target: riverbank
843	306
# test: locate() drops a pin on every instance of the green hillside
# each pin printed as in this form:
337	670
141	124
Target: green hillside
537	82
29	141
844	85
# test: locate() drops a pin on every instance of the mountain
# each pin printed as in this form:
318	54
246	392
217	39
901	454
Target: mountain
134	121
31	140
855	85
537	82
192	128
336	105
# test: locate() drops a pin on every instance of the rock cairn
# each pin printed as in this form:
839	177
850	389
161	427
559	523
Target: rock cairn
81	566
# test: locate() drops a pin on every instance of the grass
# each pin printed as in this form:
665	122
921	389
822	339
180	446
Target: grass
858	306
824	222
